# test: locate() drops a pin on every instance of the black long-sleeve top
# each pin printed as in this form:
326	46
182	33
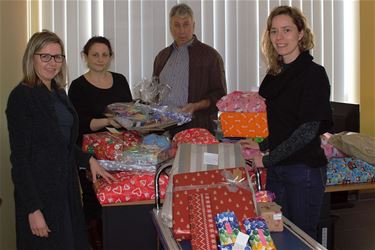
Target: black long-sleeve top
298	111
90	102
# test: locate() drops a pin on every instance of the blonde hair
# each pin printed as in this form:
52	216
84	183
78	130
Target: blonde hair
38	41
274	60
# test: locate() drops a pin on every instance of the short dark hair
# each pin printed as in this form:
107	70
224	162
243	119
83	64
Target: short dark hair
97	39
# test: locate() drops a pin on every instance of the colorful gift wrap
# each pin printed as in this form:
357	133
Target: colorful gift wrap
129	187
242	101
236	124
119	166
145	155
265	196
227	227
348	170
271	213
229	190
109	146
260	237
203	234
194	136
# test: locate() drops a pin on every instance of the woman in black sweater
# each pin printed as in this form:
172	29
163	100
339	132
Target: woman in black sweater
90	95
297	93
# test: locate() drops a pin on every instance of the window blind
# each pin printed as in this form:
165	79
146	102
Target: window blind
138	30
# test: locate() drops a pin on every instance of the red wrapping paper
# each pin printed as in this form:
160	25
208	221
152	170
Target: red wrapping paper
194	136
109	146
129	187
203	230
223	197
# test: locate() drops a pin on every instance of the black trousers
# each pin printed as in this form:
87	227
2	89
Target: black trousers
91	206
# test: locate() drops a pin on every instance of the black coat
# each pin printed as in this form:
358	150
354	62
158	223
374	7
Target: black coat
44	169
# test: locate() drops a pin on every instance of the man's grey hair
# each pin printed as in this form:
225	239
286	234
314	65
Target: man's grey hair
181	10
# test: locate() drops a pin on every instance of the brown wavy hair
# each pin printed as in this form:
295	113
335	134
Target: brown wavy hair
274	60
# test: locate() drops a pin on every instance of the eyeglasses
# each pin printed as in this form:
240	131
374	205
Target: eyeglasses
48	57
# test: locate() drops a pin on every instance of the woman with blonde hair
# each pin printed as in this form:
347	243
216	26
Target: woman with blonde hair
297	93
43	127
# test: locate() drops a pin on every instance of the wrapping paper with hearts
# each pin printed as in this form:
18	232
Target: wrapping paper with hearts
229	190
129	187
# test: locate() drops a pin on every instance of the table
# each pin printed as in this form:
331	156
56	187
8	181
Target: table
326	225
291	238
128	226
350	187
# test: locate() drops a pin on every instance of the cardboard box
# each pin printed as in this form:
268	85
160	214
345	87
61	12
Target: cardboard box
271	213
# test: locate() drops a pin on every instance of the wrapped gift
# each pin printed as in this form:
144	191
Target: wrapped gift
194	136
349	170
242	101
229	190
227	227
271	213
203	235
129	187
236	124
200	157
120	166
145	155
109	146
260	237
264	196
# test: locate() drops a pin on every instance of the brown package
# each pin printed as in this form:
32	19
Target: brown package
271	213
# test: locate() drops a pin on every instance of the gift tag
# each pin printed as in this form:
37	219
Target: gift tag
241	241
210	159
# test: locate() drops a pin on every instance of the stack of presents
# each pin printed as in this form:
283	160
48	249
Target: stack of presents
208	196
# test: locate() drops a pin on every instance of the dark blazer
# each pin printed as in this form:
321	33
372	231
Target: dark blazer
206	80
44	168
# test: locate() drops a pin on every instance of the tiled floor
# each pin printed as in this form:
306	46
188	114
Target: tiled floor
355	227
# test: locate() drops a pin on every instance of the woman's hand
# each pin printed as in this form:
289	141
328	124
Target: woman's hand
258	160
248	143
38	224
113	123
98	171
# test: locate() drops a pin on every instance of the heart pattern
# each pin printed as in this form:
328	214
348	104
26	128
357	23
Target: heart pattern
129	186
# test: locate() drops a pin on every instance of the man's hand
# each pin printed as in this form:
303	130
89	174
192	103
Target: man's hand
38	224
189	108
195	106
